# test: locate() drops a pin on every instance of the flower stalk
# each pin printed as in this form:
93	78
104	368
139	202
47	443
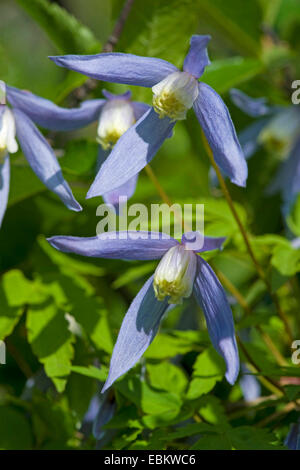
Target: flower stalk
246	240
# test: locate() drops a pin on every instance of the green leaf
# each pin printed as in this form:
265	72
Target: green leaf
15	430
239	25
249	438
132	274
51	341
24	184
168	345
91	371
224	74
209	369
286	260
69	264
67	33
80	157
19	290
190	430
165	406
168	377
15	292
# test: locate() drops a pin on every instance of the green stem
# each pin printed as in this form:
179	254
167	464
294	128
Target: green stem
246	240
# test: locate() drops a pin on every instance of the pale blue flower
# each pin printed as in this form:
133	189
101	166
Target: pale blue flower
174	93
180	273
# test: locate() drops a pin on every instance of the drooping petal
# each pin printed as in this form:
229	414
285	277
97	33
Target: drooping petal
197	57
133	151
138	329
139	109
249	137
126	190
129	245
217	125
212	299
47	114
42	160
118	68
254	107
101	157
4	186
292	441
250	385
204	243
112	96
287	179
105	413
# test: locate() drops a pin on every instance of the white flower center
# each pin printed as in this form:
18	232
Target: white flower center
175	95
117	117
175	274
8	141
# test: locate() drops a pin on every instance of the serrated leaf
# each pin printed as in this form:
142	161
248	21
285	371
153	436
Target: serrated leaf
91	371
165	406
51	341
209	369
168	345
167	376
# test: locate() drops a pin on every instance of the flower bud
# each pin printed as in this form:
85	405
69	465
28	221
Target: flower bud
278	135
175	274
8	141
117	117
175	95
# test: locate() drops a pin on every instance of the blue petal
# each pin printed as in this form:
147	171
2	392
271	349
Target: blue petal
47	114
212	299
217	125
101	157
133	151
105	413
292	440
197	57
117	245
4	186
118	68
209	243
254	107
139	109
112	96
250	385
138	329
126	190
249	137
42	160
287	179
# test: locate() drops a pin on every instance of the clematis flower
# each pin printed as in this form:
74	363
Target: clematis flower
19	112
179	274
174	93
278	129
117	115
292	440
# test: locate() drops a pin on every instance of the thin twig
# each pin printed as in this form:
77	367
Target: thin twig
246	239
244	304
79	94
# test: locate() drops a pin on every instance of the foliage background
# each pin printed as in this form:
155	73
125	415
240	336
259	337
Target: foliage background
176	398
